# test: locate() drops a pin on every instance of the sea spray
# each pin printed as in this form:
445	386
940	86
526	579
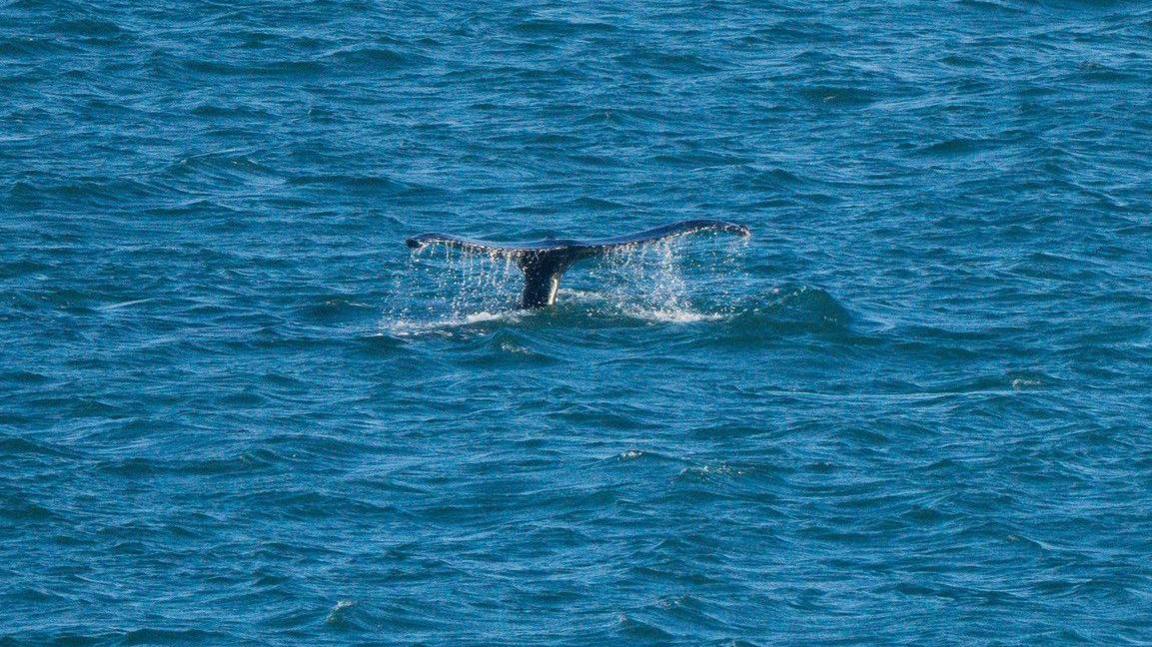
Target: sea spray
440	285
670	280
659	281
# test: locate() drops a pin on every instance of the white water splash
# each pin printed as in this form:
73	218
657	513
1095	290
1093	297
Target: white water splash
446	288
611	303
661	283
657	282
681	316
414	327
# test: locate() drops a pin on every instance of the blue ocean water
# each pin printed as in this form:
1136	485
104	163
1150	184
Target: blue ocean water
912	409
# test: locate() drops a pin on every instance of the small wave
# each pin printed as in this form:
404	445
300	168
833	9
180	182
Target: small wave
375	57
848	97
785	310
363	184
416	328
953	147
221	110
124	304
640	630
607	303
339	613
88	27
676	315
1101	73
668	62
991	6
334	309
166	636
560	28
268	69
19	47
707	473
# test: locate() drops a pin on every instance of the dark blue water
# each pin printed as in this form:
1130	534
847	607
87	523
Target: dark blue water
914	408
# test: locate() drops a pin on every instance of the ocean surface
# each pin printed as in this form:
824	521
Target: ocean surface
913	408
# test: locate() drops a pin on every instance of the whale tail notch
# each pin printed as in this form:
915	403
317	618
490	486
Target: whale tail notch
545	262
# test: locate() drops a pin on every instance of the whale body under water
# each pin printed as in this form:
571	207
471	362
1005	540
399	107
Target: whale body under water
544	262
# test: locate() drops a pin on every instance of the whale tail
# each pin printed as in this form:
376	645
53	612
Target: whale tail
544	262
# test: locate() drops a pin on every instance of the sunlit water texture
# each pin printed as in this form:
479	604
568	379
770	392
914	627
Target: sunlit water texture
912	409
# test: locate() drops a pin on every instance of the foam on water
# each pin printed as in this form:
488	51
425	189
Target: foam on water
412	327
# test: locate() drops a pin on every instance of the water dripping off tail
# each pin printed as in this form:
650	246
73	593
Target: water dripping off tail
544	262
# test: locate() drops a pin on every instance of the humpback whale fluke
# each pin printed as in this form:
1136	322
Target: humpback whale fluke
544	262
